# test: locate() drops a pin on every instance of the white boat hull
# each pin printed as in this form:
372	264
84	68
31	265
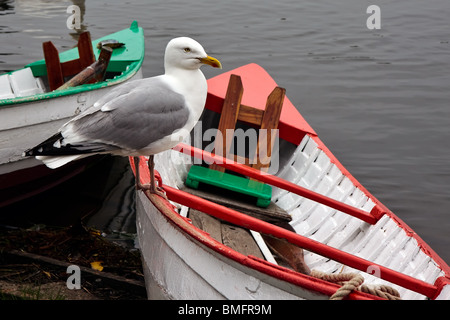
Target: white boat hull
26	125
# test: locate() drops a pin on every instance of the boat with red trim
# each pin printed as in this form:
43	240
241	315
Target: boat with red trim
345	234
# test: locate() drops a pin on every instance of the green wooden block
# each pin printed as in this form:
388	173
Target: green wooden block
259	190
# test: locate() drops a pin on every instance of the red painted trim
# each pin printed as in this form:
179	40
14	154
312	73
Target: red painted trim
246	221
278	182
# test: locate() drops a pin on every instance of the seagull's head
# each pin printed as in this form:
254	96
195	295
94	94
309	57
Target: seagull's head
186	53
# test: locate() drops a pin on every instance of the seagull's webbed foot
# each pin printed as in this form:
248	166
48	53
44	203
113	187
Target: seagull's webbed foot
158	191
152	187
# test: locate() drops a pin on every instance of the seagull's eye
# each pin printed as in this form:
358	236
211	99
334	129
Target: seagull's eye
187	50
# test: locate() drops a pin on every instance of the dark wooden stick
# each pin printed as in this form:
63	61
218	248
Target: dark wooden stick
95	70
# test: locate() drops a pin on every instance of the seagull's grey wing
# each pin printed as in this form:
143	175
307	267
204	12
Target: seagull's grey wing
108	101
138	118
135	120
113	98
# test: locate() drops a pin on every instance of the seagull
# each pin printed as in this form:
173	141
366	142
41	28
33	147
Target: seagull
138	118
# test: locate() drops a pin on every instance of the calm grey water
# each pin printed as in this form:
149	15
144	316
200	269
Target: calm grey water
379	99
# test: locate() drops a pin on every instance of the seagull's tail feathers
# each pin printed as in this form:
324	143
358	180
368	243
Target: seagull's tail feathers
54	162
54	154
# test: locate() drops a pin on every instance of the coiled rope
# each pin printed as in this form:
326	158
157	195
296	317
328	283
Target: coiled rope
353	281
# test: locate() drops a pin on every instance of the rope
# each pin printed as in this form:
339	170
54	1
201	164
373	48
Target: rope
382	291
353	281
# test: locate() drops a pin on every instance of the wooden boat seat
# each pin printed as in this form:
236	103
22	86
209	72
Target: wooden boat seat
266	120
57	71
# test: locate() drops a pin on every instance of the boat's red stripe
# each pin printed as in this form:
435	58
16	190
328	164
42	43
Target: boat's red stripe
249	222
371	217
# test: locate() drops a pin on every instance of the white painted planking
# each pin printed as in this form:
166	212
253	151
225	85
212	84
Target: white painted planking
24	83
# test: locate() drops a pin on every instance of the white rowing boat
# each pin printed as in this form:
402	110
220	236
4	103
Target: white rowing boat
342	228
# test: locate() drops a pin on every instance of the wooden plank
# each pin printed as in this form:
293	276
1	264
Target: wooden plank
85	50
54	71
272	213
270	121
250	115
240	240
103	59
228	118
207	223
70	68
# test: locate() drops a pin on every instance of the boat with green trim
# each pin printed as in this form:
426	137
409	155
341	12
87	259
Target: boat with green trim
30	111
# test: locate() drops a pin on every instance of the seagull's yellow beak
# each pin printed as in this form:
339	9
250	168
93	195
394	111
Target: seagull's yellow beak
213	62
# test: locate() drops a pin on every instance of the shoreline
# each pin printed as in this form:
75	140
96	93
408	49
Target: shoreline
32	268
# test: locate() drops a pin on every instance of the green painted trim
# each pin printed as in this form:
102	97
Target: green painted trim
127	60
